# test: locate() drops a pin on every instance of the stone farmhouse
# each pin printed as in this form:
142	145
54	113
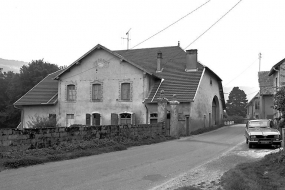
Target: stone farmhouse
105	87
277	73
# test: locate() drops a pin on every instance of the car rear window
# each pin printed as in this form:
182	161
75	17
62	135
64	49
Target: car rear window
259	124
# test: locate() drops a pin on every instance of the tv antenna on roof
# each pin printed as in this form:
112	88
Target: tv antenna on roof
127	38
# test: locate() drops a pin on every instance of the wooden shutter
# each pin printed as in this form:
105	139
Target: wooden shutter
114	119
133	119
88	121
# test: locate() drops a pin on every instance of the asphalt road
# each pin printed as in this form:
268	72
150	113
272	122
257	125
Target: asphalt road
142	167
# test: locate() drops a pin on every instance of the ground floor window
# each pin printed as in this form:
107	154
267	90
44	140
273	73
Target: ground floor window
69	120
125	118
52	117
153	118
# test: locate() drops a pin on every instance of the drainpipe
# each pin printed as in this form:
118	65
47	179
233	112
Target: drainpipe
146	122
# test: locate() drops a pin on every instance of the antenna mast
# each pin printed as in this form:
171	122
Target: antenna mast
127	38
259	57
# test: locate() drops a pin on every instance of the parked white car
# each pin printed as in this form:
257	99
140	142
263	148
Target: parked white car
260	132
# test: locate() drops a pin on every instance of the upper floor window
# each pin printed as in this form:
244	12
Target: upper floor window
71	92
126	91
96	92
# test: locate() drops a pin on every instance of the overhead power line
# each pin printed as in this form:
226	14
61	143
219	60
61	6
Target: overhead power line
154	34
171	24
241	72
206	30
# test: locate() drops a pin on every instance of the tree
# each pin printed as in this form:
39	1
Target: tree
15	85
236	102
279	101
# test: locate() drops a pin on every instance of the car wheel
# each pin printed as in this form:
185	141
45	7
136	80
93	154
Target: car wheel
249	145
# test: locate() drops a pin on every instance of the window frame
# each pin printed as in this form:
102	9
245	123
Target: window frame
67	92
91	91
130	91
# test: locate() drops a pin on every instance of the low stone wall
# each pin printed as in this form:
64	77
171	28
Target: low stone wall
14	139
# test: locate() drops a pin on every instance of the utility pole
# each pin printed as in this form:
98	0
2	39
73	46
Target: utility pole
259	57
127	38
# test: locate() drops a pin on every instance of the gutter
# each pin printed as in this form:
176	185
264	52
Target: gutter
157	90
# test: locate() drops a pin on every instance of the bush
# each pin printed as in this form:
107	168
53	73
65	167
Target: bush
42	122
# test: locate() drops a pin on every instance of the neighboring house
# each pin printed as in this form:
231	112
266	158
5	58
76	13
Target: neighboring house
253	107
106	87
266	92
277	72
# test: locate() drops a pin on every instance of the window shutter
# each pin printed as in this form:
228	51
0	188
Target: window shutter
88	116
114	119
133	119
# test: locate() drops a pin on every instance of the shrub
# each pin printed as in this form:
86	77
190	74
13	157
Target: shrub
42	122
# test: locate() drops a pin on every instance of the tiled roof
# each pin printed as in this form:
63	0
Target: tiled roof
176	80
44	93
276	67
265	83
251	101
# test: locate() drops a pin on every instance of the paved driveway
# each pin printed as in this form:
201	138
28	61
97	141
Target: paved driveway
142	167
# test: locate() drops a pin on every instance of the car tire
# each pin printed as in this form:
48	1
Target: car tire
249	145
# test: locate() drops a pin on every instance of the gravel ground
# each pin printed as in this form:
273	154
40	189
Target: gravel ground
207	176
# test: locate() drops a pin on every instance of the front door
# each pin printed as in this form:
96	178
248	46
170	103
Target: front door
95	119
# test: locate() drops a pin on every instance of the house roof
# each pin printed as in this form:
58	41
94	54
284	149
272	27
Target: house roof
44	93
251	101
276	67
265	83
175	79
106	49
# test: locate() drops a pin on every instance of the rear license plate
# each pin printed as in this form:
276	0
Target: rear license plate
264	142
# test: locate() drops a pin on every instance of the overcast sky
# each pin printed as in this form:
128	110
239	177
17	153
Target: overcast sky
61	31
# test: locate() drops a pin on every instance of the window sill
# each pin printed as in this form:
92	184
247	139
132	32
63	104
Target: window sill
124	100
96	100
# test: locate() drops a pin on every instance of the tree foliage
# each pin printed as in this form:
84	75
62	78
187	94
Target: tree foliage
14	85
279	101
236	102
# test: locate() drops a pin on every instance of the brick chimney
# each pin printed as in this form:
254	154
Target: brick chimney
158	62
191	60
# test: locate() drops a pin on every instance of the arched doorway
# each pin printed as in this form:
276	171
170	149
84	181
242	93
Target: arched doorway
215	111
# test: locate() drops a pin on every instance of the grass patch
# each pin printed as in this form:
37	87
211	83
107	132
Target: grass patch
265	174
72	150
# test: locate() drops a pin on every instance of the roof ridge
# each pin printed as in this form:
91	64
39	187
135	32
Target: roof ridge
148	48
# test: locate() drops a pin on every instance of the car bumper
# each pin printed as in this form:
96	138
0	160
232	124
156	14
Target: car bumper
266	142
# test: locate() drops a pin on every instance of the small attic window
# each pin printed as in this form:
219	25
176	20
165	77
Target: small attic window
211	82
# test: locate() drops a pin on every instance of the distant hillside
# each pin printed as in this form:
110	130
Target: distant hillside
11	65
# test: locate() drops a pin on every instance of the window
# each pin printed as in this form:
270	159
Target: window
257	105
69	119
96	92
125	91
71	92
126	118
52	117
153	118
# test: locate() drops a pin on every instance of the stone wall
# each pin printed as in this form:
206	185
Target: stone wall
14	139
